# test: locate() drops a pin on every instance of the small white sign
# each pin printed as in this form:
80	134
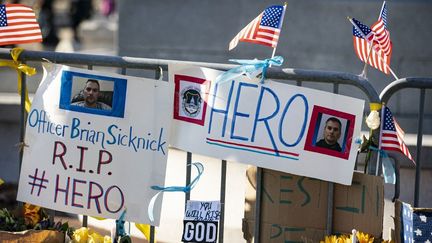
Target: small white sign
201	221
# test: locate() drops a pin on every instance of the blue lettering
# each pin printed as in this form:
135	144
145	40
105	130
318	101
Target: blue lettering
74	128
265	119
132	140
34	111
160	145
304	120
111	134
236	113
220	110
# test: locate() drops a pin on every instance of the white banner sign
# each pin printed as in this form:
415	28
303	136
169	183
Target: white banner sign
96	143
277	126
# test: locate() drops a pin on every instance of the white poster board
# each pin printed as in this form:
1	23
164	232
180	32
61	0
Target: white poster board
96	161
274	125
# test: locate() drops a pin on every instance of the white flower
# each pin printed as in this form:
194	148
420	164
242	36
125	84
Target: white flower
373	120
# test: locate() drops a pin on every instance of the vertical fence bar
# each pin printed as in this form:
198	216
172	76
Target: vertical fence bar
85	217
419	148
23	118
188	174
330	198
330	189
123	71
222	200
257	228
158	75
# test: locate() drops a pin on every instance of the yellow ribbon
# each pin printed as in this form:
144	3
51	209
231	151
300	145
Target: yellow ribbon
144	228
20	68
375	106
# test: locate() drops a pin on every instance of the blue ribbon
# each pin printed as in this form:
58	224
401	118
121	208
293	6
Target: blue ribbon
120	229
389	173
250	68
185	189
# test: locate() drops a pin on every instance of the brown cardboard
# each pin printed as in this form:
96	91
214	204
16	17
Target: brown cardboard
32	236
294	202
273	233
398	221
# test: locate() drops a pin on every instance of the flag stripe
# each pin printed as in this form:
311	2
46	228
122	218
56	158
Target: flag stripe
22	28
22	33
392	134
381	33
362	48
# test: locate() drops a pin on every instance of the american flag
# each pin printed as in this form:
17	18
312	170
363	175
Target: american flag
264	29
416	223
18	25
382	35
363	37
392	134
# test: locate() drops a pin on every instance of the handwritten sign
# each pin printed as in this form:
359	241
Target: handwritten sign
201	221
272	125
288	198
95	143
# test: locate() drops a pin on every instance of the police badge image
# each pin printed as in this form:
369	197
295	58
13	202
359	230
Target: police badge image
190	101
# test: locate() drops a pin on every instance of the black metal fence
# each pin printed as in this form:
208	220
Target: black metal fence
299	77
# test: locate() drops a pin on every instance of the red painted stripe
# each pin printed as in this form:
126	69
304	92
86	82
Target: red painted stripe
252	146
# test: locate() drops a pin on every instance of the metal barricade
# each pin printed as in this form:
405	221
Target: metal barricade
422	84
298	76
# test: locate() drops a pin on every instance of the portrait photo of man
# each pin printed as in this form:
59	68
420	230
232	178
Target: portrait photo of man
332	133
91	93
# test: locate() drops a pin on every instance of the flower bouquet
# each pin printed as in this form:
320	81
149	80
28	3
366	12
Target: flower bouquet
31	225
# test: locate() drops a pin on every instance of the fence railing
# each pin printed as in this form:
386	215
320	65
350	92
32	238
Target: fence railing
299	76
421	84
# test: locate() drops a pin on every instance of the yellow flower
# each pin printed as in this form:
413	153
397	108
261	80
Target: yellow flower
361	238
86	235
330	239
364	238
31	214
345	239
80	235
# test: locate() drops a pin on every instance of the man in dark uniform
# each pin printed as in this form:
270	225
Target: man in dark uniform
332	132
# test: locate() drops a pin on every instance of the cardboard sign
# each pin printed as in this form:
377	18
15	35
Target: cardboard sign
96	143
201	221
294	208
271	125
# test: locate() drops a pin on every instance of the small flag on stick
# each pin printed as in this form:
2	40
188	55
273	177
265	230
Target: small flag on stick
363	38
392	134
18	25
263	30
